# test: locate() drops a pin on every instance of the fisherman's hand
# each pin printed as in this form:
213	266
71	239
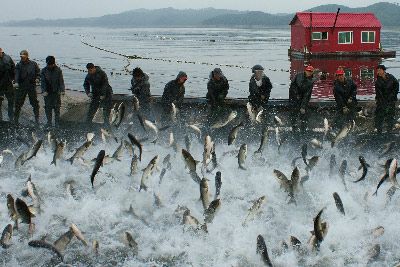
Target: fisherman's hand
90	95
45	94
346	110
263	97
302	111
37	81
349	101
102	97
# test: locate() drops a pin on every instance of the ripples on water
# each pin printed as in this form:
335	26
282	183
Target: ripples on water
101	213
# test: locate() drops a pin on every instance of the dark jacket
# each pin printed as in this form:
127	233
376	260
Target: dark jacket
7	71
173	93
300	90
26	74
256	92
343	91
386	91
98	82
141	88
217	89
52	80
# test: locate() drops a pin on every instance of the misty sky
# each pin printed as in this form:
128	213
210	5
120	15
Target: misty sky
50	9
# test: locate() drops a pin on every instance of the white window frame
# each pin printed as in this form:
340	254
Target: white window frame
368	69
352	37
327	36
368	37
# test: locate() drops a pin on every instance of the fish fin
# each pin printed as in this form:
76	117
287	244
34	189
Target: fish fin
71	160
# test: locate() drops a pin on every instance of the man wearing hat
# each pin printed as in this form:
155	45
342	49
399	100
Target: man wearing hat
99	91
299	96
52	84
386	90
345	91
217	88
7	74
27	75
259	87
174	91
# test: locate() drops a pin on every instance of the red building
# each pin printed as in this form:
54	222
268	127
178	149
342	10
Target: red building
336	34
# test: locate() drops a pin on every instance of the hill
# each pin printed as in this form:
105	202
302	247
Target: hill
387	13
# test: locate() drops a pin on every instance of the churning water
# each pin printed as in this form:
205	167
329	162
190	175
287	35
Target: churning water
101	213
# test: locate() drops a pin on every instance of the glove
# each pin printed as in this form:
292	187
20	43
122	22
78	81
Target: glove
349	101
45	94
262	97
345	110
90	95
302	111
37	81
102	97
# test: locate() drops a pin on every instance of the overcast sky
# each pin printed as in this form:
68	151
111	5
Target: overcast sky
50	9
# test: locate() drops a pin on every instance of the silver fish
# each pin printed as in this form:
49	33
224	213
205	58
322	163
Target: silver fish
218	184
233	133
342	134
58	152
204	193
339	203
364	166
264	140
33	151
212	209
134	165
263	251
242	156
130	242
118	152
63	241
254	209
5	240
78	234
147	172
46	245
80	151
225	122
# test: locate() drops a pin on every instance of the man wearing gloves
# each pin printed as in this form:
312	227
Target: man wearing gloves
217	88
299	96
345	92
99	91
386	90
7	74
52	84
259	88
27	75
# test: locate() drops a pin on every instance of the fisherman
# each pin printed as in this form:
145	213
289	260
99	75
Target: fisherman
27	74
217	88
52	83
386	89
174	91
7	75
345	91
141	88
100	93
259	87
299	96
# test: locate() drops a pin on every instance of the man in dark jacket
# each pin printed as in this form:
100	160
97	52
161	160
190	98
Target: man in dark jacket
174	91
27	75
386	90
299	96
141	88
52	84
99	91
217	88
345	92
7	74
259	87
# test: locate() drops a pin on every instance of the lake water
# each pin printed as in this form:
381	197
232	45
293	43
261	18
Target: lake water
241	48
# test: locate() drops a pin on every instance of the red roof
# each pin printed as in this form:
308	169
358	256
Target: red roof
344	20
